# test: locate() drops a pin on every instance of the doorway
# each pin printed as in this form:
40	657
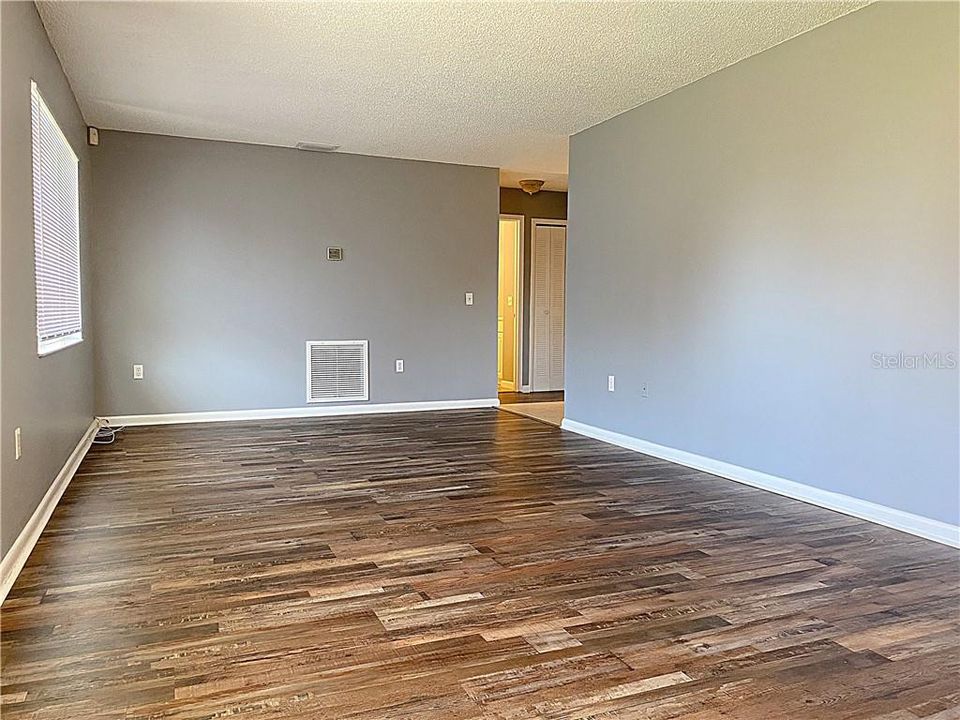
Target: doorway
543	398
509	304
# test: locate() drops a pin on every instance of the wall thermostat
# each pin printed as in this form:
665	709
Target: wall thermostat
334	253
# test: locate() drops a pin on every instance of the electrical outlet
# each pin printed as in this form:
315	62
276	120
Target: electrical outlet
469	298
17	451
138	372
399	365
611	383
644	393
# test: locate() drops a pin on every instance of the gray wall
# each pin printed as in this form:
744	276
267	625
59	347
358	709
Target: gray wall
211	271
744	244
49	398
547	205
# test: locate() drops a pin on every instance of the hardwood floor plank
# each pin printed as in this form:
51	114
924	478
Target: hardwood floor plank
462	564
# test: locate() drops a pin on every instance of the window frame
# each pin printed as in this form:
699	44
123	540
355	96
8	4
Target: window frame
50	346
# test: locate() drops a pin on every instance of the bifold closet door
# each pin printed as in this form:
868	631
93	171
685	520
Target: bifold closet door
548	274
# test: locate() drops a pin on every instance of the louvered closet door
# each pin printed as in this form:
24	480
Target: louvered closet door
549	269
558	258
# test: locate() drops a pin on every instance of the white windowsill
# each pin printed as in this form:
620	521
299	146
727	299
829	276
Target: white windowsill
51	346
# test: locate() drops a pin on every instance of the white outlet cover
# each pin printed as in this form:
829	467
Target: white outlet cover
138	372
469	298
611	383
399	366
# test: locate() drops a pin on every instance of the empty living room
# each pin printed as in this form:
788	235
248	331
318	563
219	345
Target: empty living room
480	360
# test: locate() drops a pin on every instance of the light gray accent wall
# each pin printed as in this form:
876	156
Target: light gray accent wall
745	244
211	271
49	398
544	205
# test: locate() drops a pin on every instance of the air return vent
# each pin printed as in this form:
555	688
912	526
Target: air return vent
336	370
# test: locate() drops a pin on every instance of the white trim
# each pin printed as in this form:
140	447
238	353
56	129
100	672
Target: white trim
918	525
299	412
17	555
525	388
49	347
547	222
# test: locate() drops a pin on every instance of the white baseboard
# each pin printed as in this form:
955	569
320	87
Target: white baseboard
299	412
928	528
17	555
525	388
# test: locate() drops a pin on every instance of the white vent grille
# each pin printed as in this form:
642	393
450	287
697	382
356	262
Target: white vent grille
336	370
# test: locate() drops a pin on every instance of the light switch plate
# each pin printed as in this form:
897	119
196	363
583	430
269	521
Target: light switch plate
611	383
16	442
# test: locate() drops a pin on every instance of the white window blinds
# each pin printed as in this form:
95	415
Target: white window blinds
56	231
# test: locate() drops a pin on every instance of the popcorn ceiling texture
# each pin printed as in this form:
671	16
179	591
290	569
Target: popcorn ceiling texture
489	83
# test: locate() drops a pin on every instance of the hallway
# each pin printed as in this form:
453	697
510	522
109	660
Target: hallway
546	407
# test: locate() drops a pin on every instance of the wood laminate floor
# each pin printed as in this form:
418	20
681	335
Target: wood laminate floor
461	565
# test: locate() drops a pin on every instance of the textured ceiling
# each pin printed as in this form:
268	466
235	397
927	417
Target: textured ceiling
482	83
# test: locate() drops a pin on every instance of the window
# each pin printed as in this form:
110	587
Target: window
56	231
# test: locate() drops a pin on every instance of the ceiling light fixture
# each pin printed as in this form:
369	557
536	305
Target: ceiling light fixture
317	147
531	187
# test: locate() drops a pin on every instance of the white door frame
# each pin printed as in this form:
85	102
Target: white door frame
518	306
534	222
